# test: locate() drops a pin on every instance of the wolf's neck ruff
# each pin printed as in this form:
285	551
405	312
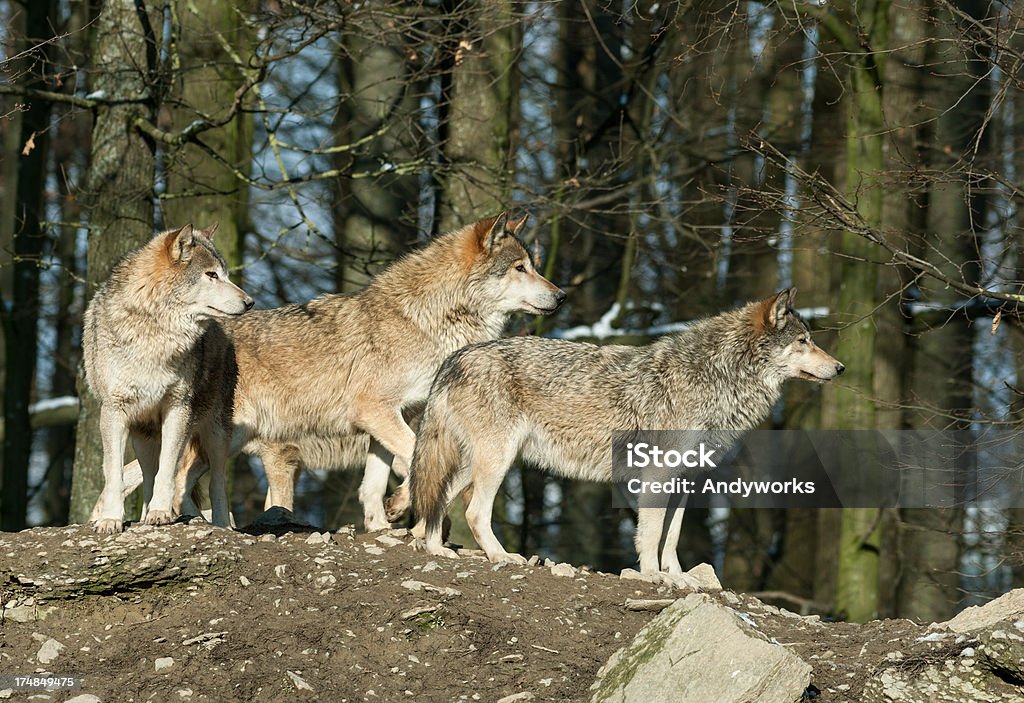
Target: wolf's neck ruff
735	382
430	289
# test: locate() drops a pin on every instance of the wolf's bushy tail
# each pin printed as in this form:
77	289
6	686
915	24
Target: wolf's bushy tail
436	461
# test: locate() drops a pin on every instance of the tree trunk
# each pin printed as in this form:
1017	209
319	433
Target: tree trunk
120	186
21	320
853	408
942	378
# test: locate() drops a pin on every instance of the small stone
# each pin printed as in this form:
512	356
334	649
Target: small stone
314	538
533	561
389	541
398	532
244	581
300	683
375	551
431	566
49	652
705	576
84	698
517	698
563	569
163	664
6	693
280	570
184	693
268	538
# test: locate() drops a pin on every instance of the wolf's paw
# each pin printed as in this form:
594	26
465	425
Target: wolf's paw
159	517
444	552
376	523
682	580
396	506
421	545
109	526
508	558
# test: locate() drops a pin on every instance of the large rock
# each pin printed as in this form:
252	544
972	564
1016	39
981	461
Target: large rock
700	650
1002	650
1007	607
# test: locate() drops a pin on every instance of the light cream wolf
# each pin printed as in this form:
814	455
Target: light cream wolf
314	380
159	365
555	404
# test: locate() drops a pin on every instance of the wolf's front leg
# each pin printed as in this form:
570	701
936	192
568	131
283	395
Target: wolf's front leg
374	485
114	433
174	435
648	538
392	442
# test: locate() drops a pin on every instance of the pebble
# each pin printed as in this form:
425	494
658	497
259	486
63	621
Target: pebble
563	569
300	683
517	698
163	664
49	652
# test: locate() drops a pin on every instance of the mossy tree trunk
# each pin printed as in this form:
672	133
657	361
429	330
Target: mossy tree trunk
120	188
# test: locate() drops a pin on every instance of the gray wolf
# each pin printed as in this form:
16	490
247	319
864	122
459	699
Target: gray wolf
555	403
158	362
324	384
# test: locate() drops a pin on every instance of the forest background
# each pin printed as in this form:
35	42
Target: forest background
677	158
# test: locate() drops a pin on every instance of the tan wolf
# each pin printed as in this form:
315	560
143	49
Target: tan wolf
158	362
555	403
327	381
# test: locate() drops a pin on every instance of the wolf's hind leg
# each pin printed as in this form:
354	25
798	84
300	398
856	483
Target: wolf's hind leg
214	447
433	531
670	550
147	453
282	465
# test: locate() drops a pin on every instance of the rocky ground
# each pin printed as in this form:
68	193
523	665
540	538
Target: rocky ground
195	613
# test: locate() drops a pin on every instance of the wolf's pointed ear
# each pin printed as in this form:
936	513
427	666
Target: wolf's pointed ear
210	231
514	226
497	232
178	243
777	306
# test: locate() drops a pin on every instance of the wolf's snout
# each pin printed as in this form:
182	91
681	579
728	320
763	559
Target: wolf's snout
839	369
248	302
560	297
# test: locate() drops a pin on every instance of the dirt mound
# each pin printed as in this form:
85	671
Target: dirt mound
194	613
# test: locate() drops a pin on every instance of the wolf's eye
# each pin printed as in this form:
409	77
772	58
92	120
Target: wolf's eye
521	268
804	340
212	275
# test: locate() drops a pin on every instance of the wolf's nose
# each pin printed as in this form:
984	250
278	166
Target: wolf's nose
559	297
249	302
839	369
